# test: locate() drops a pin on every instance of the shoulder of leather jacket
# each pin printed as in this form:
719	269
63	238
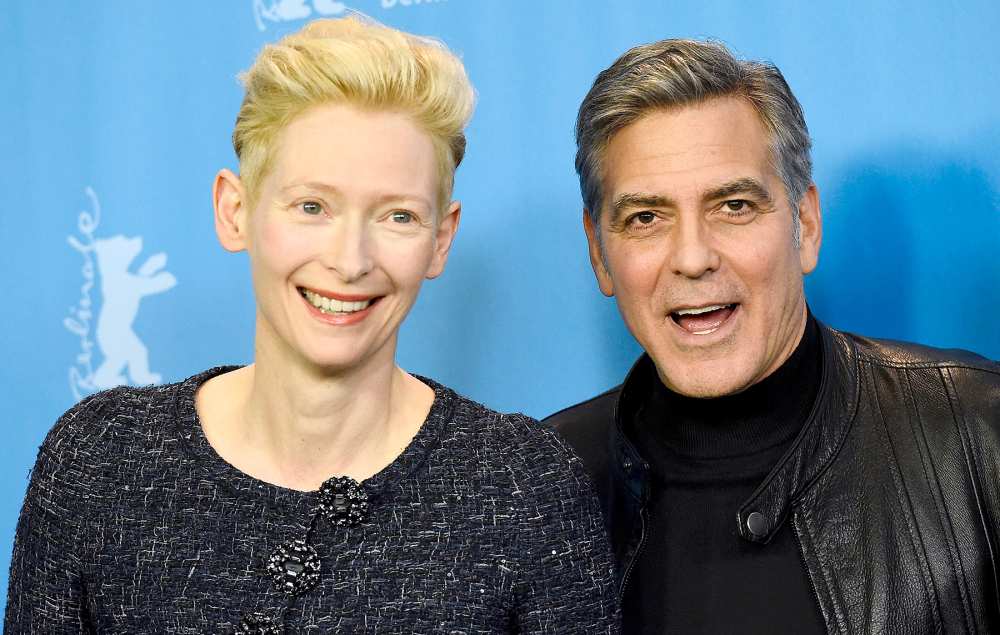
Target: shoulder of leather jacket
910	355
586	428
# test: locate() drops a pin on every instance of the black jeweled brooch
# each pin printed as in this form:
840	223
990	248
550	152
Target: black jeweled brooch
258	624
343	501
294	567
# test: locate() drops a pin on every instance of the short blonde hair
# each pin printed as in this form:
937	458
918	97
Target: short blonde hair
358	62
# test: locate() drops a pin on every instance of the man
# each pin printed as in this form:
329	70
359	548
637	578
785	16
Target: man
761	472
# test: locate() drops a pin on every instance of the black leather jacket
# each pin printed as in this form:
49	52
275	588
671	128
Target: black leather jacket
892	487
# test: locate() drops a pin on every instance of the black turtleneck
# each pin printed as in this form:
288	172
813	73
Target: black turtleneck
706	458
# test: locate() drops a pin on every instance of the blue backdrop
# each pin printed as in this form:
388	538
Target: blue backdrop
118	113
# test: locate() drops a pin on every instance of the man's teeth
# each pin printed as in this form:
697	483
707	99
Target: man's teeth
329	305
699	311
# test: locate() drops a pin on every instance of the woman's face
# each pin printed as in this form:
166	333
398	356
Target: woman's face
346	228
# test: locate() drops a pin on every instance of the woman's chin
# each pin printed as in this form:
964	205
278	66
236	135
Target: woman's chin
345	357
336	363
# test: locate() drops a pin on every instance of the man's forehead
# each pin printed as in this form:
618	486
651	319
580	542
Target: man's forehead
713	128
689	150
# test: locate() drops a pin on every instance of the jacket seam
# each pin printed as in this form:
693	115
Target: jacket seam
836	603
972	465
987	515
963	586
933	484
905	500
848	428
881	361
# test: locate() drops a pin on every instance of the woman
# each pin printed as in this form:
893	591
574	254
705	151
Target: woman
321	488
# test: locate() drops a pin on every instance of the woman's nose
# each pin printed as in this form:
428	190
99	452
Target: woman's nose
349	252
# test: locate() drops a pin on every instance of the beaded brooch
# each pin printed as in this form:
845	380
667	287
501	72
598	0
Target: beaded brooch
294	566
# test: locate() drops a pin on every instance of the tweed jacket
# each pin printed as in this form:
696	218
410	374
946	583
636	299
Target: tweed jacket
133	523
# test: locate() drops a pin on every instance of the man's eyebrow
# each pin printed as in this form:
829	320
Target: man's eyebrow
632	200
745	185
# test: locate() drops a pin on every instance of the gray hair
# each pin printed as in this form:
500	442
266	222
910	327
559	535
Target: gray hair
672	73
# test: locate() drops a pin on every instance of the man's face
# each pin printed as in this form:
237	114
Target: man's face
698	248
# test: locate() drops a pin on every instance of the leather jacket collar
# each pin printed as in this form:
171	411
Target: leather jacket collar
759	517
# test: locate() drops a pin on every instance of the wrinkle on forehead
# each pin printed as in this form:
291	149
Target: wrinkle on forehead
684	153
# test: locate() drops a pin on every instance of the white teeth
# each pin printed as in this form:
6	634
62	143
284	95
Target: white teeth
330	305
706	332
714	307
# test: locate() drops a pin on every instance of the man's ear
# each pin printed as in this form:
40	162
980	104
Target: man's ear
811	229
443	239
597	256
229	200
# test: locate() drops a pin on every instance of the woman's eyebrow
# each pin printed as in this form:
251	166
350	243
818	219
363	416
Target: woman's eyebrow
312	185
386	199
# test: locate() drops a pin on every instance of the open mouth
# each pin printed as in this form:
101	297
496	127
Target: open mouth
333	306
703	320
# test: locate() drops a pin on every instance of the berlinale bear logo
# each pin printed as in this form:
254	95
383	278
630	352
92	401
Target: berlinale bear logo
121	292
290	10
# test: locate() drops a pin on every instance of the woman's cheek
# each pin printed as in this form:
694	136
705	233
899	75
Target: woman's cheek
408	257
287	242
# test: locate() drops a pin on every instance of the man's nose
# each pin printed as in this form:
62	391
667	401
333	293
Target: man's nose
692	253
350	251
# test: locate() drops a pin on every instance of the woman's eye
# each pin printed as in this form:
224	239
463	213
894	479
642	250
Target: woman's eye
312	208
402	217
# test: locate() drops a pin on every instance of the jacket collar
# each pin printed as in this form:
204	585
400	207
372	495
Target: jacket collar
817	443
627	459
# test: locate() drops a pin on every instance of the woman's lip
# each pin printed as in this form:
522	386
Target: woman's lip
343	297
341	319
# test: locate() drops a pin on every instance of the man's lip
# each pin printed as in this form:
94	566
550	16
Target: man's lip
703	305
711	331
343	297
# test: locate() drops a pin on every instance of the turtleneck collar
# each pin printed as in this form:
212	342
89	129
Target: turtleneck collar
763	417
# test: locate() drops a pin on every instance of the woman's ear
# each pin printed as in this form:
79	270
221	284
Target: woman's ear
445	236
229	200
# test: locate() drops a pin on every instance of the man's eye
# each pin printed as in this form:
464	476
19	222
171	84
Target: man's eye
644	218
402	217
312	208
737	207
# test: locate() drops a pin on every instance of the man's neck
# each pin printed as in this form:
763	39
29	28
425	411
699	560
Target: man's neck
760	416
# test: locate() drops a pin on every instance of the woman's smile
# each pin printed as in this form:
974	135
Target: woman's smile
338	310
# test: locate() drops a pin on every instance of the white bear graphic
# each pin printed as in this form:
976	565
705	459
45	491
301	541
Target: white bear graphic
289	10
121	291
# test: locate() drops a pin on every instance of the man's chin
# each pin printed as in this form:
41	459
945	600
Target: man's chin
703	383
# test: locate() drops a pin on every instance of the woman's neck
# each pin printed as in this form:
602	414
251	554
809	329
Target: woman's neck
286	422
